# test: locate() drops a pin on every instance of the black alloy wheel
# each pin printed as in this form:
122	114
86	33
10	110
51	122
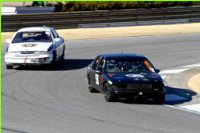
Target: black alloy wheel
109	97
9	67
159	99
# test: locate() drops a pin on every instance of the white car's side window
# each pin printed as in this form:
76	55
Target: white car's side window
55	35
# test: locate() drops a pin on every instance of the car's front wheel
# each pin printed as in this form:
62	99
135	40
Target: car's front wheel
63	55
109	97
54	58
159	99
9	67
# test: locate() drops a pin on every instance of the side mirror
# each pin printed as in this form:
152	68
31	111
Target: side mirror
8	41
157	70
57	39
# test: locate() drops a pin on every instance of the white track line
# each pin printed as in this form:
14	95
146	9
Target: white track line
163	77
193	108
173	71
183	109
192	66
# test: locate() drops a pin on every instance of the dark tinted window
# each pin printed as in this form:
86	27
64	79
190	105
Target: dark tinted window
97	62
32	37
129	65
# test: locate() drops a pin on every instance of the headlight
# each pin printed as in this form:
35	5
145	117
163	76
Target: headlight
109	82
41	52
10	53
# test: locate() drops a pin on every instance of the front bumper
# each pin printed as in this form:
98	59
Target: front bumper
28	60
142	92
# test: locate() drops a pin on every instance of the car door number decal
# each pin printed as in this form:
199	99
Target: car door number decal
97	79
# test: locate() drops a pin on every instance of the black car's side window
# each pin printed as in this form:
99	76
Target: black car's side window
101	65
96	63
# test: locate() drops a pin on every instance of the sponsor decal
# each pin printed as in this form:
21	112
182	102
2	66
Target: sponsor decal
137	79
29	45
110	75
134	75
154	75
145	79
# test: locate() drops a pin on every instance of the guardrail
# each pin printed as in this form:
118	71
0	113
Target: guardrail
75	19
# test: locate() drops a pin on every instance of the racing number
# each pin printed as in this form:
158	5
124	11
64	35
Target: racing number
97	79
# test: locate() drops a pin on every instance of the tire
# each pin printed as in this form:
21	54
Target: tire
91	89
62	58
159	99
129	99
9	67
109	97
54	59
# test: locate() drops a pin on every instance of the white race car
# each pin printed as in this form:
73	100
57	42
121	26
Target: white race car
34	46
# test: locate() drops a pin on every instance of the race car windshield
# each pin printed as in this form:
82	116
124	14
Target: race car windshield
128	65
40	36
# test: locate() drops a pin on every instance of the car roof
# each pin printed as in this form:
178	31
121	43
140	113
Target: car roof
122	55
42	28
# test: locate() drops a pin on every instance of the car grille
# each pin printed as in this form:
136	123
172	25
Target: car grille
27	52
135	86
140	86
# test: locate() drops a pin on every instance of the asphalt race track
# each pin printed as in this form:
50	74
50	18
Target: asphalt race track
43	100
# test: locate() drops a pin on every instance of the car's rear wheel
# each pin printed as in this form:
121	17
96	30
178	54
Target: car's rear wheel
90	88
109	97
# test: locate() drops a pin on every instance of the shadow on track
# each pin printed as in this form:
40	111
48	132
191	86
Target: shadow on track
173	96
178	95
69	64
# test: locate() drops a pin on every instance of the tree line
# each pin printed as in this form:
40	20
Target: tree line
115	5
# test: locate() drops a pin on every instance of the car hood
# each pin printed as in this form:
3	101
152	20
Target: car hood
32	46
134	77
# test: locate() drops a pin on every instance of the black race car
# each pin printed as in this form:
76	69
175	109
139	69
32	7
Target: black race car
124	76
